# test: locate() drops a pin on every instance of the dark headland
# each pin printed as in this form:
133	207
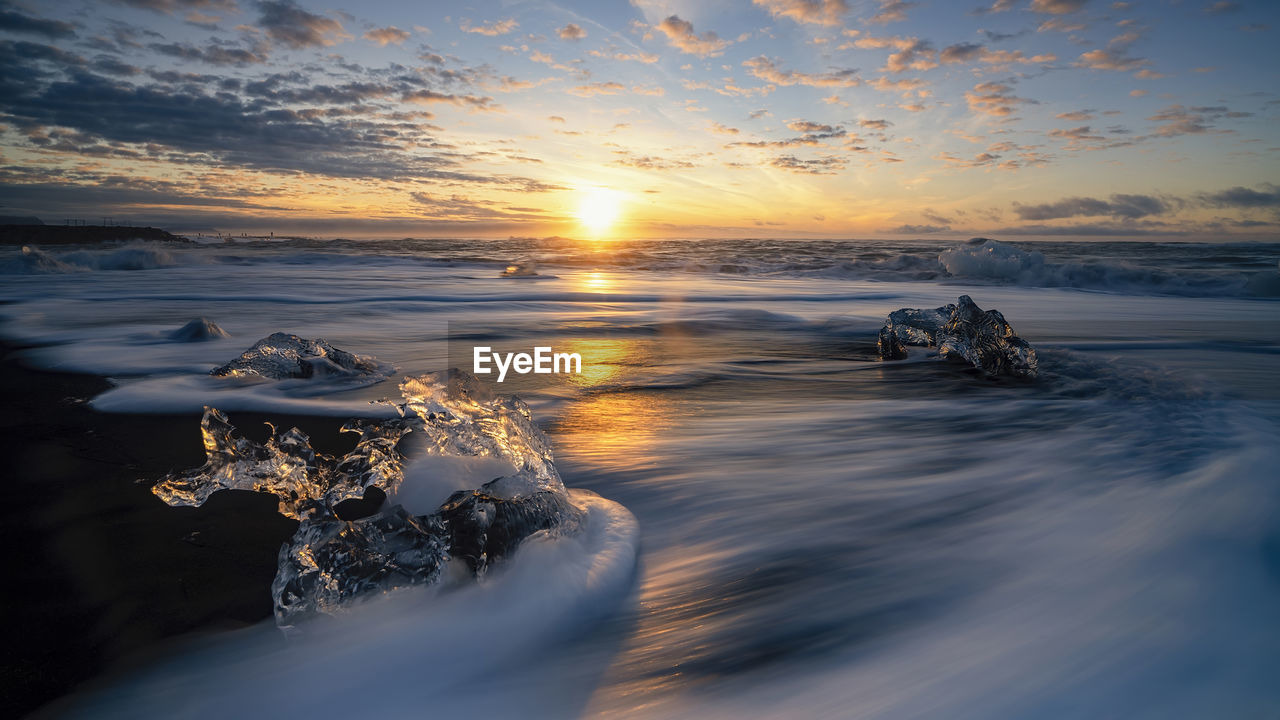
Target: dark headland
36	234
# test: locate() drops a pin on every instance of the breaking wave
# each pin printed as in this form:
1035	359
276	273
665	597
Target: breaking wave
134	256
996	261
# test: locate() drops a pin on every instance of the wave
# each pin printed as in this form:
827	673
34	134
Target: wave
996	261
134	256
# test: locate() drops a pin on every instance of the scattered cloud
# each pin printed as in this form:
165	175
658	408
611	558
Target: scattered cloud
920	229
1057	7
1115	56
827	165
680	35
817	12
1242	197
16	22
599	88
285	22
571	32
1120	206
1222	7
891	11
493	29
994	99
767	69
911	53
387	36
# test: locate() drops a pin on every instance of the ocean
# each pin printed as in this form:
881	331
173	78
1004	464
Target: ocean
820	533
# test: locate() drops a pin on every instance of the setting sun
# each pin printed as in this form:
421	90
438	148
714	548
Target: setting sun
599	208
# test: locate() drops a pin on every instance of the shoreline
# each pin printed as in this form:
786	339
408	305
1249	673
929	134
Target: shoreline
110	576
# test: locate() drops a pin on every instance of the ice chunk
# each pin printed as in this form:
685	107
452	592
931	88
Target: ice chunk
198	330
522	269
281	355
330	563
307	483
962	332
460	417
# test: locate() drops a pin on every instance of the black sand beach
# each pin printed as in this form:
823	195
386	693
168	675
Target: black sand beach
104	575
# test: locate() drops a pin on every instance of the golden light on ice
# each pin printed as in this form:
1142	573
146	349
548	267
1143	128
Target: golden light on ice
599	208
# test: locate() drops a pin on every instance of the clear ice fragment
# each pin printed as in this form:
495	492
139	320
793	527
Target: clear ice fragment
281	355
330	564
962	332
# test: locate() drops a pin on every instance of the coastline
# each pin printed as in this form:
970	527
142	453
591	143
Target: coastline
108	576
83	234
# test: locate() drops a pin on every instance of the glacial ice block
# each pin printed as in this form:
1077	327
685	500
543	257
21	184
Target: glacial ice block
308	483
281	355
962	332
330	563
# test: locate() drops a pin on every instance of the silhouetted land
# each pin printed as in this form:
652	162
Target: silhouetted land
81	234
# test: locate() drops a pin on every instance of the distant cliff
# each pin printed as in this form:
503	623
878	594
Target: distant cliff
81	234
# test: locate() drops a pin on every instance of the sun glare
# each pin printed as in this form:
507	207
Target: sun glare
599	209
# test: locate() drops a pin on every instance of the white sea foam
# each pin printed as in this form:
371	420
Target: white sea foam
457	654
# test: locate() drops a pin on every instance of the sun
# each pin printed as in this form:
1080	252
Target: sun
599	208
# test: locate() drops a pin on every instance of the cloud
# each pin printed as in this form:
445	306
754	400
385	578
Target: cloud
813	166
1176	120
648	162
287	23
598	88
998	6
891	11
875	124
16	22
571	32
640	57
1222	7
906	86
767	69
808	126
912	53
976	52
197	124
1243	197
1115	56
458	207
499	27
1057	7
428	97
816	12
213	54
994	99
1076	115
920	229
387	36
168	6
1120	206
680	35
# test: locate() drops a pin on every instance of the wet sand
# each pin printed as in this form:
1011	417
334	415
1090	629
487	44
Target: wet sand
102	574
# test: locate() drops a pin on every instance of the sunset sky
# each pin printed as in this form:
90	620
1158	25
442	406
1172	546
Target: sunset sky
693	118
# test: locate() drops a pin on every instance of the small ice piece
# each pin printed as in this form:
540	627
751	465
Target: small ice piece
308	483
522	269
198	330
281	355
962	332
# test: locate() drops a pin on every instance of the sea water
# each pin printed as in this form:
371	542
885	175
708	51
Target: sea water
820	534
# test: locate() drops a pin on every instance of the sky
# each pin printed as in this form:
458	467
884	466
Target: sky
649	118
